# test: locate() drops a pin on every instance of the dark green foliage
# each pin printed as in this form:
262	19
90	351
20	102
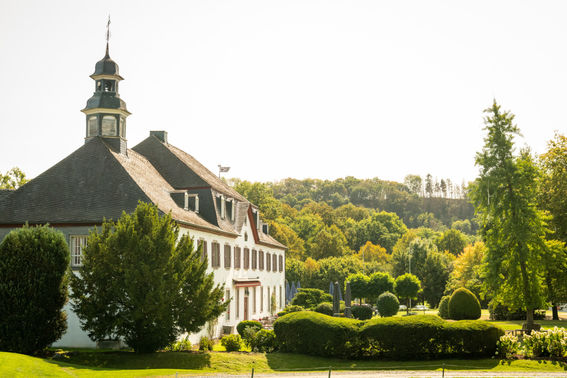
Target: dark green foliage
309	332
325	308
205	344
463	304
358	285
388	304
232	343
379	283
139	281
501	312
290	308
256	325
361	312
415	337
34	265
264	341
444	307
310	298
453	241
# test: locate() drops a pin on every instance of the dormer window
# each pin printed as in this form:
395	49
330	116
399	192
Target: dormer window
108	125
223	208
92	127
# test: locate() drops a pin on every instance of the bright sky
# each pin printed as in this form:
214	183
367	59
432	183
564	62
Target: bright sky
277	89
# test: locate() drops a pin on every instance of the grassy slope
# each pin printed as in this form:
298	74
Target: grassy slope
127	364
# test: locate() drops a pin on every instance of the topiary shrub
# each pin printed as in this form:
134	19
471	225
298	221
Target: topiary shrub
443	310
388	304
34	262
264	341
312	333
361	312
256	325
290	308
325	308
232	343
205	344
310	298
463	304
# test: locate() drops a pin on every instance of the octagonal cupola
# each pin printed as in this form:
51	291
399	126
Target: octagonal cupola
106	112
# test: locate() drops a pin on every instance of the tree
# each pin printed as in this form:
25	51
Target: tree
358	285
139	281
381	228
414	184
284	234
467	270
555	274
453	241
13	179
407	286
504	196
294	270
372	252
329	242
378	283
34	268
435	273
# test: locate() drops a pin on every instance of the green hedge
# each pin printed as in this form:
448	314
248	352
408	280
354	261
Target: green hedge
313	333
415	337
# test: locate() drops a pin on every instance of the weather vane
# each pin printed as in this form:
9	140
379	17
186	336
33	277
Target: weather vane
108	30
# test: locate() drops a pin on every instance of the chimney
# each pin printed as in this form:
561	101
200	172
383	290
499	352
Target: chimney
161	135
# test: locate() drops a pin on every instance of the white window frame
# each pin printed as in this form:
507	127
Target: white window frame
77	243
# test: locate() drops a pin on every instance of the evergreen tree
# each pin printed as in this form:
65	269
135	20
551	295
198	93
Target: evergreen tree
139	281
504	196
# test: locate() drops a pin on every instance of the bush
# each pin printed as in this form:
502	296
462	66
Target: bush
507	346
362	312
232	343
325	308
310	298
444	307
264	341
34	263
388	304
205	344
463	304
256	325
552	343
183	345
312	333
420	336
290	308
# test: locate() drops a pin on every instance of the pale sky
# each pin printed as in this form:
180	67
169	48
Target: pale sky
276	89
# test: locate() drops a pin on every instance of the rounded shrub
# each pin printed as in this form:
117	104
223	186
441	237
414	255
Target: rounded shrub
232	343
443	310
388	304
290	308
34	262
256	325
325	308
463	304
205	344
310	298
264	341
362	312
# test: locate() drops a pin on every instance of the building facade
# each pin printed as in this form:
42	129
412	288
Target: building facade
103	178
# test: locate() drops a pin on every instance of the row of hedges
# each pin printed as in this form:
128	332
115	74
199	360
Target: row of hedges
420	336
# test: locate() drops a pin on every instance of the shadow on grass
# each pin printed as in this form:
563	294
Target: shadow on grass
299	362
122	360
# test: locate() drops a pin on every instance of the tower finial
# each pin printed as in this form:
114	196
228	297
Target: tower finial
107	35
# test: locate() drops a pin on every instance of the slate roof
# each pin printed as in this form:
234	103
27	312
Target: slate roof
94	183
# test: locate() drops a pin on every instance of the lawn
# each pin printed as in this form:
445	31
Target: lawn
93	363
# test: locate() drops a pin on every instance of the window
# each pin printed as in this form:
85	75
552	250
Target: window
227	256
227	298
246	258
268	262
122	127
108	85
223	208
261	299
245	235
92	126
237	303
77	245
215	254
261	262
274	262
281	263
108	125
254	259
237	257
203	245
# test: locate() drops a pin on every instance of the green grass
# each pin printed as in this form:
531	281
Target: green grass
517	324
91	363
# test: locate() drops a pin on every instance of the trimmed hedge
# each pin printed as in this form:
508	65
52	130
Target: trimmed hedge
246	324
313	333
415	337
463	304
443	311
310	298
361	312
325	308
388	304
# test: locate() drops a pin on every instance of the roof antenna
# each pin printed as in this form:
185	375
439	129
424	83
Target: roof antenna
107	35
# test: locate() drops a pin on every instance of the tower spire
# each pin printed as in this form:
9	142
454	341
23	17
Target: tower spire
107	36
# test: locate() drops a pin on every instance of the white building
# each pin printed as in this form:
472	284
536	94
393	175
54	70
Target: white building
103	178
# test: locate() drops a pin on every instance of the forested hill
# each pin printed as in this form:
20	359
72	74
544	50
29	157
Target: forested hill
419	203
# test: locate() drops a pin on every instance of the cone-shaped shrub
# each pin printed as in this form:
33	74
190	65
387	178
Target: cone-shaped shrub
444	307
464	305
